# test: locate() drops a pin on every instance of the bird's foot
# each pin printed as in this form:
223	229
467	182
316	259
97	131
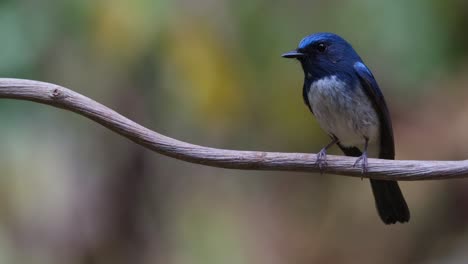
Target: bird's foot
322	159
363	160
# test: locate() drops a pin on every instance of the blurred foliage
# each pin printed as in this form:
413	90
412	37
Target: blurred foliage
209	72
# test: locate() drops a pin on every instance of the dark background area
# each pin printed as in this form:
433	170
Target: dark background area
209	72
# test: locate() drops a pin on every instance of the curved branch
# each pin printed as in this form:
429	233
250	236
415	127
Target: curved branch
64	98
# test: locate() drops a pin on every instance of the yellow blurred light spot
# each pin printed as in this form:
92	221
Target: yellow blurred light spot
199	58
123	29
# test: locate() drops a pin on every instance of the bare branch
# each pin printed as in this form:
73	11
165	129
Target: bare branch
64	98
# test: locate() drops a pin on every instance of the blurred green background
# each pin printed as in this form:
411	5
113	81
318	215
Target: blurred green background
209	72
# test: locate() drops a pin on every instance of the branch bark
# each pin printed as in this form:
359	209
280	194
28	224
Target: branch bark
61	97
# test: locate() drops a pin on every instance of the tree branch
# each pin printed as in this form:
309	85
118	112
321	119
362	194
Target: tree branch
64	98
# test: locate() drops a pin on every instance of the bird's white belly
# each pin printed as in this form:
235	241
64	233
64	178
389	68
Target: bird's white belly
346	113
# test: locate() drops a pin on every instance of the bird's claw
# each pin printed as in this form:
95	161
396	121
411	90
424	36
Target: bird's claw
364	165
322	160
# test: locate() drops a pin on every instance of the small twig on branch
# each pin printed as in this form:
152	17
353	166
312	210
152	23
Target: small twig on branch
64	98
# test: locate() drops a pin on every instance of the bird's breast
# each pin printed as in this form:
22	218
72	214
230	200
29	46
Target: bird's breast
343	110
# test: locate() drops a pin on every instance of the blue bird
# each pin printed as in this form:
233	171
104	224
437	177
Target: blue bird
344	97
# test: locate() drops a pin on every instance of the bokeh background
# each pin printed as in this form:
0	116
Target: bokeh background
209	72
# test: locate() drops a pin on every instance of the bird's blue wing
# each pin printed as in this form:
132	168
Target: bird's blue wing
370	86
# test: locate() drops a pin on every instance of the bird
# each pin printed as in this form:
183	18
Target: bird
343	95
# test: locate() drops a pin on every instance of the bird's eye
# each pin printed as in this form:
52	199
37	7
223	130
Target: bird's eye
321	47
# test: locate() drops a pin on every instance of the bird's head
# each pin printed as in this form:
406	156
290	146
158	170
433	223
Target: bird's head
323	54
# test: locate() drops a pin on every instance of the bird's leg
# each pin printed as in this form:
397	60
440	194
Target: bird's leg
363	158
322	155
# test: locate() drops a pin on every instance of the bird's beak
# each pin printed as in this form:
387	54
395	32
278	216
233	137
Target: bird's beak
293	54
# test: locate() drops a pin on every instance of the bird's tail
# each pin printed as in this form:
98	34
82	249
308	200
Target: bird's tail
390	202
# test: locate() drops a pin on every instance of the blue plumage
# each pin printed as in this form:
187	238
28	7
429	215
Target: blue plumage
346	100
